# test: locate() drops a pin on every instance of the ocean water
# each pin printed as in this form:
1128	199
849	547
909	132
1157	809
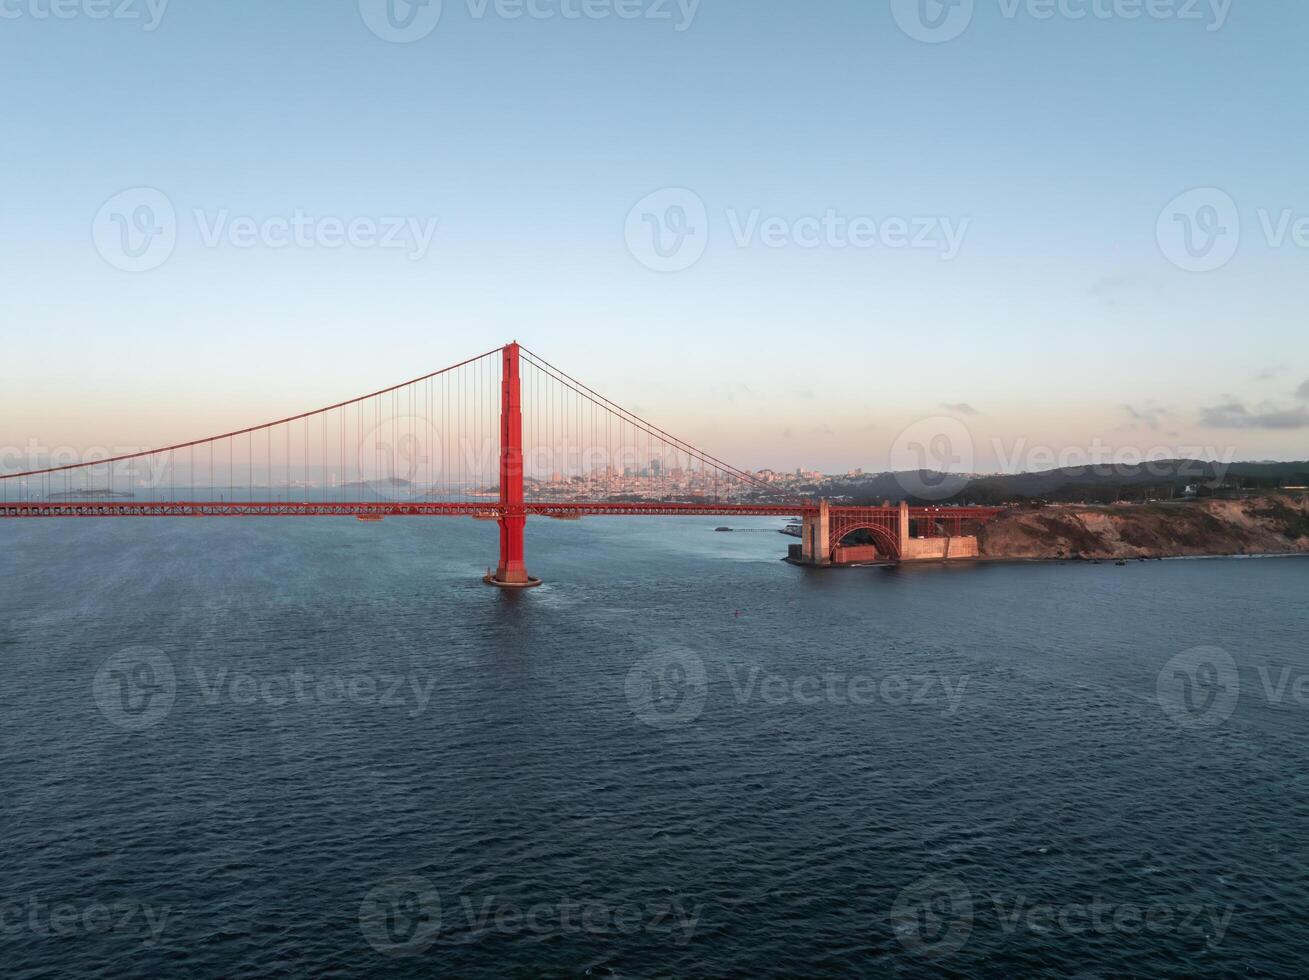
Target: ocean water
287	747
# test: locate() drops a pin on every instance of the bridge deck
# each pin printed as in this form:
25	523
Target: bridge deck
489	510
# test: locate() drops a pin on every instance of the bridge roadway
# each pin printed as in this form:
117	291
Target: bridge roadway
490	510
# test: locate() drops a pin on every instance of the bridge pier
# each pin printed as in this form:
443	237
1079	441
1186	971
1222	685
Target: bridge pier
816	529
511	572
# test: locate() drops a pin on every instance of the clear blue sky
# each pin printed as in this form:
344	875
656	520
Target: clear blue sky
1055	144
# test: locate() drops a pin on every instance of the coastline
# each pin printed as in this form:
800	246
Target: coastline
1264	526
1002	560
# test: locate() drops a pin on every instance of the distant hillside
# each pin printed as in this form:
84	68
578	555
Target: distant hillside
1090	484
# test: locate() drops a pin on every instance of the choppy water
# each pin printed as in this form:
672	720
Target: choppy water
324	748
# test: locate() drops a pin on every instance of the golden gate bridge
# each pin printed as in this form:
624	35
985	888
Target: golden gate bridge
454	443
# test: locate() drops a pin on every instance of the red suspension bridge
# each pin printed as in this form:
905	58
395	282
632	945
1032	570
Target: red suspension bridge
454	443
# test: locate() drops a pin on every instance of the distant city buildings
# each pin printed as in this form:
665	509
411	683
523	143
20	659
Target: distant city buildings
657	480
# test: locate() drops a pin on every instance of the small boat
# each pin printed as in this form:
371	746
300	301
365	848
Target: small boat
722	529
486	515
368	517
1120	563
567	516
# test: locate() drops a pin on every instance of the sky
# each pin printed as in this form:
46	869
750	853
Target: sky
816	235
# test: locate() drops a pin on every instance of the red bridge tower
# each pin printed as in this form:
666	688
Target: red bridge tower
511	573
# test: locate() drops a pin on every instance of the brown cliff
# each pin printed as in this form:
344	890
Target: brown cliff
1257	525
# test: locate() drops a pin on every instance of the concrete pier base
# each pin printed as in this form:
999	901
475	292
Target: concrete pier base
528	583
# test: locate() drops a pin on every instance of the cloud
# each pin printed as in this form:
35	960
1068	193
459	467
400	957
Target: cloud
1303	391
1149	414
1234	415
1267	374
963	408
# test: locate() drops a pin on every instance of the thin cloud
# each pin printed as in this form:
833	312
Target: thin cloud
963	408
1303	391
1234	415
1148	415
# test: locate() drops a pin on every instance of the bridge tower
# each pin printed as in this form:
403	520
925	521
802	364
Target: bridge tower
816	549
511	572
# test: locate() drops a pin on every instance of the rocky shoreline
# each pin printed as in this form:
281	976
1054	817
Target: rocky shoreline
1264	525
